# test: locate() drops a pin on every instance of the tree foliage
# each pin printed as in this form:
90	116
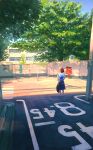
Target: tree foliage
61	30
14	12
3	45
15	17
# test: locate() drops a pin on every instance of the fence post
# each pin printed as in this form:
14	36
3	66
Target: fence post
20	68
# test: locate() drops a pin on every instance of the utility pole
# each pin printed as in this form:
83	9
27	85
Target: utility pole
1	89
90	67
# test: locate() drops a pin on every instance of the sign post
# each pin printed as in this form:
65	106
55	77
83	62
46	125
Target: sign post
90	67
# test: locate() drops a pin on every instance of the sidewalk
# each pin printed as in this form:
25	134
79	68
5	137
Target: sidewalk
40	86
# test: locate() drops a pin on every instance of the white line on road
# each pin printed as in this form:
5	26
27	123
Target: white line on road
44	123
77	97
31	129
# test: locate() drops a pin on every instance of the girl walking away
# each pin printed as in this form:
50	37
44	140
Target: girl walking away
61	84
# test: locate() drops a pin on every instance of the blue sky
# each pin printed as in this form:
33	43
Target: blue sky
87	5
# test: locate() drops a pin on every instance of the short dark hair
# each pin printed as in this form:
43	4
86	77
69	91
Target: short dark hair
62	70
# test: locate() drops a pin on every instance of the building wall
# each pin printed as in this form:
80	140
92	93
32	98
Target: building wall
15	55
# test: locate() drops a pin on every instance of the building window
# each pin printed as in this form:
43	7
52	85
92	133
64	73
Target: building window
14	59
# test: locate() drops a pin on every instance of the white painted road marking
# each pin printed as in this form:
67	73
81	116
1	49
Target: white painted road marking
64	130
77	97
44	123
63	106
31	129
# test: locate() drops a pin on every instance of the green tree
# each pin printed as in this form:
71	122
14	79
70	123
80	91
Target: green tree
3	46
23	58
61	30
15	17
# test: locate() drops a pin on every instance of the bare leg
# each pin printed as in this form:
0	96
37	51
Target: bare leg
63	92
60	92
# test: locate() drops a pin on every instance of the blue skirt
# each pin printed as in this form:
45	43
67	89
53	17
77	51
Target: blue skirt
60	86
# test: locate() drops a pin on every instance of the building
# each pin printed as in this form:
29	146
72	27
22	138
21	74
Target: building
15	55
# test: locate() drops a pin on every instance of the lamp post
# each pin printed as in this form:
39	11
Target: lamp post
90	67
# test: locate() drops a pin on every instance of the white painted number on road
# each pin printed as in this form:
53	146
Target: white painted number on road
68	109
51	113
65	107
83	144
87	130
37	113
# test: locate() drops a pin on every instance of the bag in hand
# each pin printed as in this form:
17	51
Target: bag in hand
57	87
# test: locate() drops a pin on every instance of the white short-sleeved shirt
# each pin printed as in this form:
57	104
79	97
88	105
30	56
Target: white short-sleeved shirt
61	76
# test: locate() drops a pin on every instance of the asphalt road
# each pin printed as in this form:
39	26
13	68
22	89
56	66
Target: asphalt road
53	122
34	117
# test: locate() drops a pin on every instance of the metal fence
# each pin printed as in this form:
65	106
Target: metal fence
79	68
